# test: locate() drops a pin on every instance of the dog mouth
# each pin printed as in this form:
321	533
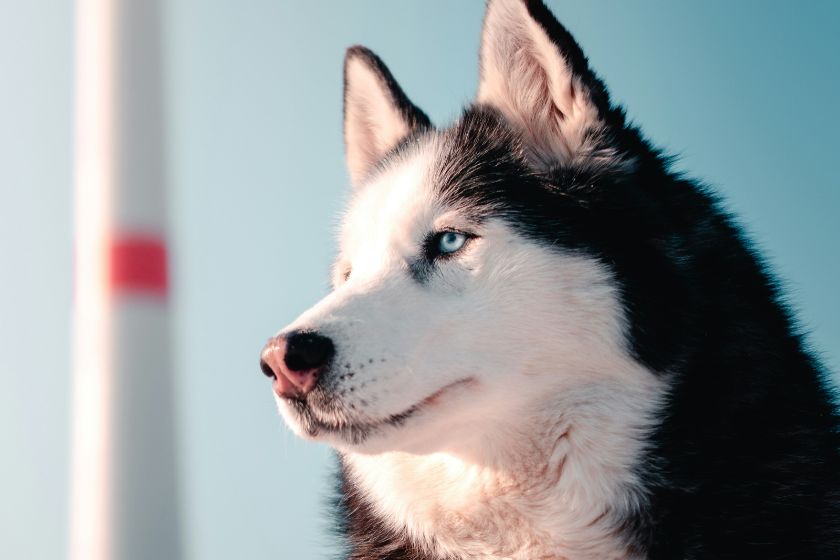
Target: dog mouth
310	415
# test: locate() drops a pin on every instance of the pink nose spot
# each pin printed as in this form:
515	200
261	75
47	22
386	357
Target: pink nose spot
296	361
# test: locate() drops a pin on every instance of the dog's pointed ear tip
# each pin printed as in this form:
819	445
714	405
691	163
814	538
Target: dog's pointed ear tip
361	53
489	3
527	4
359	58
357	50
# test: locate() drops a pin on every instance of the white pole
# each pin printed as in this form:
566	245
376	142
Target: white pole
124	496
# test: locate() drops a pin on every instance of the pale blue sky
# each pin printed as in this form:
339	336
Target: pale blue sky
746	93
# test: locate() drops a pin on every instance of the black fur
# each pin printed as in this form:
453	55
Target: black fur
745	462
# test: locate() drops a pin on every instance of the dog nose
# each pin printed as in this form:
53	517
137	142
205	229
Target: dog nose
296	361
307	350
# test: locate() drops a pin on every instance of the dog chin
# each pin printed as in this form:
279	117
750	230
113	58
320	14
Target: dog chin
346	436
412	430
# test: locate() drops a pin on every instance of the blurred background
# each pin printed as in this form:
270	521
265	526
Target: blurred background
745	93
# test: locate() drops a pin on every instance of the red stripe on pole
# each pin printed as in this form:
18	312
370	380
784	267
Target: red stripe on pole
138	265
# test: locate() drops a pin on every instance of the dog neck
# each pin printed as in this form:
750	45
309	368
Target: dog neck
562	491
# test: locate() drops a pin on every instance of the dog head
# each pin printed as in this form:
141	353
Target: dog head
482	270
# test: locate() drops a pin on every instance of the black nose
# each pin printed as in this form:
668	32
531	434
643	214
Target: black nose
307	350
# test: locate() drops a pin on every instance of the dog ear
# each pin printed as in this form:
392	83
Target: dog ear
534	72
377	114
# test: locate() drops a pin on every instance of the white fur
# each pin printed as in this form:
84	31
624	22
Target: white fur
533	456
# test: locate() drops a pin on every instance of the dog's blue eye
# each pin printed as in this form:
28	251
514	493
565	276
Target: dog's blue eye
450	241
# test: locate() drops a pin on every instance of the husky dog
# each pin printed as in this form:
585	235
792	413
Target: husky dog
543	343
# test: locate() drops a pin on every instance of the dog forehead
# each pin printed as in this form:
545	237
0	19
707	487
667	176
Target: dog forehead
464	172
396	206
